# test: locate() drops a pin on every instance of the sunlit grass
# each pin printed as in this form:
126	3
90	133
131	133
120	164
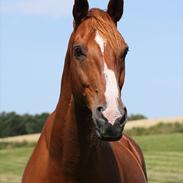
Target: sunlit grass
12	163
164	157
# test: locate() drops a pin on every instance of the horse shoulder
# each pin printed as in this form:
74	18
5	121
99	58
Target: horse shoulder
130	160
136	150
38	162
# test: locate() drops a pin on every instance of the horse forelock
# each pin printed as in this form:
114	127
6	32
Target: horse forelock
100	21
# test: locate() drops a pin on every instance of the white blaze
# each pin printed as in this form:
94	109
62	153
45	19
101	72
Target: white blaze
111	95
100	41
111	89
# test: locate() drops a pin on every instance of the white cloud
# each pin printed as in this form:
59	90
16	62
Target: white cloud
54	8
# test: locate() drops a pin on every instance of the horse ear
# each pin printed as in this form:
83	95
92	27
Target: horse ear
80	10
115	9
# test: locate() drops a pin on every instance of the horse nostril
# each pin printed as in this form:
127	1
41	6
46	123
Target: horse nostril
125	113
100	108
125	109
121	121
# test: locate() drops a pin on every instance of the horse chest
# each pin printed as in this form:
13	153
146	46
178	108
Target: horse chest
113	165
102	168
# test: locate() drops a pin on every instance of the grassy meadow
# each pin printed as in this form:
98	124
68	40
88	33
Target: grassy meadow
12	163
163	154
164	157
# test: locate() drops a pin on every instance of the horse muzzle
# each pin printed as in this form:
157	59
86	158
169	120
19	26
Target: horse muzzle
106	130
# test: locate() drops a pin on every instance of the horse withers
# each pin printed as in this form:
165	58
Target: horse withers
82	140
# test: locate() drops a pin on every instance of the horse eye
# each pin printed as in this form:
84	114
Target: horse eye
78	52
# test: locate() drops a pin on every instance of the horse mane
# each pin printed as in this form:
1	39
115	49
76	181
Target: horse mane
103	23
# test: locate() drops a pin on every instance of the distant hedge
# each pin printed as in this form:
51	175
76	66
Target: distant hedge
12	124
134	117
161	128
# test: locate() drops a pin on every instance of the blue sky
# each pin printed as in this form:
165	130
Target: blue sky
33	41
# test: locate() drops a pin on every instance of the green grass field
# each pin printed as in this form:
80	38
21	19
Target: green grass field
164	157
163	154
12	163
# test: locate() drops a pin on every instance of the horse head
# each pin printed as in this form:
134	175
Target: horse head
97	61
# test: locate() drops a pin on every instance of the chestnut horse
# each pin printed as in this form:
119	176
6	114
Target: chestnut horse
82	140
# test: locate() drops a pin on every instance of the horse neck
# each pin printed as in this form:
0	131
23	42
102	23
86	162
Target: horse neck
71	143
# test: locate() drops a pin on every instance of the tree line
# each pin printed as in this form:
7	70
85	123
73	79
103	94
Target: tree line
13	124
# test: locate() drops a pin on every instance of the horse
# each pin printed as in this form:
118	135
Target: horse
83	139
